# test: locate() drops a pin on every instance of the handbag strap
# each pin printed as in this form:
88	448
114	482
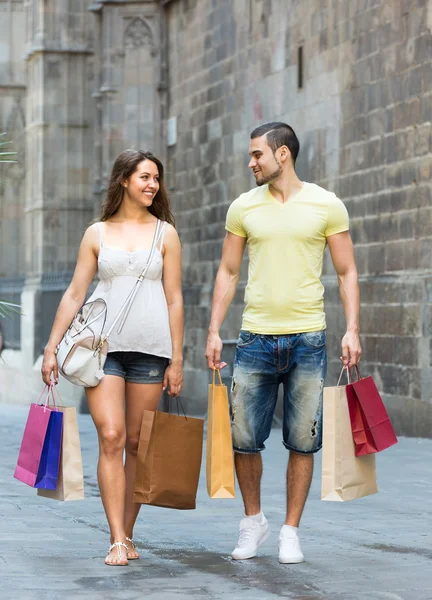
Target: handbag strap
125	308
88	322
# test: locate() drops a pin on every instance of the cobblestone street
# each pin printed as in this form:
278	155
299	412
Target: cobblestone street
375	548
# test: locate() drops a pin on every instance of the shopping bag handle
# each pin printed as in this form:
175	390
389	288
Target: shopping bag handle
178	402
54	387
213	377
344	368
348	370
48	388
357	370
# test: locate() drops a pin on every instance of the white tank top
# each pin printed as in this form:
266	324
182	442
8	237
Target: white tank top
146	328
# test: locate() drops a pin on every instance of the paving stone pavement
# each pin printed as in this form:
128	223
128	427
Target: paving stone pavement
376	548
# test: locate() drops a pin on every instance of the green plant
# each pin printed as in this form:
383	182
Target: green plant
7	309
6	156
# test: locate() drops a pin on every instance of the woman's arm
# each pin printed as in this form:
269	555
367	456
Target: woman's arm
72	299
173	293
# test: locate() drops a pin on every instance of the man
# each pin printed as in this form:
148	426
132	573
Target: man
286	224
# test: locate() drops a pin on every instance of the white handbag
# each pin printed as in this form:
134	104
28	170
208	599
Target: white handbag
83	350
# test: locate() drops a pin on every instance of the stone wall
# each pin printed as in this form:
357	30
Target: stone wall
12	190
189	79
79	82
363	116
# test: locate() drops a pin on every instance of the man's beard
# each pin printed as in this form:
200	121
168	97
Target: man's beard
270	177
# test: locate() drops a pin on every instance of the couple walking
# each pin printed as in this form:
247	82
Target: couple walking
286	224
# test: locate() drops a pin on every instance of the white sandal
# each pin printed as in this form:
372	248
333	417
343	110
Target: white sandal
118	546
133	548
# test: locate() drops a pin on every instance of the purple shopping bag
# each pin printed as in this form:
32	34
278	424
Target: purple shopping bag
33	441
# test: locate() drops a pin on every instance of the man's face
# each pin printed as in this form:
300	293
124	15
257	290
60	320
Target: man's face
264	164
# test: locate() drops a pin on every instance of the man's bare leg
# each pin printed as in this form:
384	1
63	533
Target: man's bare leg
254	529
298	478
249	471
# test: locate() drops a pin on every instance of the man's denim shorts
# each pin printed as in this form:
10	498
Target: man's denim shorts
262	362
136	367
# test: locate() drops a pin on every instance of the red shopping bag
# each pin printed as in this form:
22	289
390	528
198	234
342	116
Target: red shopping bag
370	423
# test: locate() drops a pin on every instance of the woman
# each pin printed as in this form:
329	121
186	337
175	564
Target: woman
146	356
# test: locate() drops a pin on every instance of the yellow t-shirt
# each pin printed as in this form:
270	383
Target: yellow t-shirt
286	245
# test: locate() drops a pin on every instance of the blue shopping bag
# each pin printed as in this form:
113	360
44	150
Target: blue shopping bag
50	459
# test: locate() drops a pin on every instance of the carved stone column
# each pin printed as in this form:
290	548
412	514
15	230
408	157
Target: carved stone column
58	195
12	188
128	70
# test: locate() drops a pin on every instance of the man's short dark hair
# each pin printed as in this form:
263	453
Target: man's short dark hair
278	134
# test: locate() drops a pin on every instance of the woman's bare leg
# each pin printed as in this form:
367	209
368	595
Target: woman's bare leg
107	408
139	397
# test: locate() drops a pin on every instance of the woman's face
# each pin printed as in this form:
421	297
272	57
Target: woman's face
143	185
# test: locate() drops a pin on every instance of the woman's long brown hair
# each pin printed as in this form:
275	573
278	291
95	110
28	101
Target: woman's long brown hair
126	164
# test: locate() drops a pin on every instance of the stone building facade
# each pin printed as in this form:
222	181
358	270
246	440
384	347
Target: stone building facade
189	79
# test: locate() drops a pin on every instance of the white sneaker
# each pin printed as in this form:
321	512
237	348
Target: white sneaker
253	533
289	547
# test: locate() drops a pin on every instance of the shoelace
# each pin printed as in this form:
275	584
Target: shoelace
246	534
289	541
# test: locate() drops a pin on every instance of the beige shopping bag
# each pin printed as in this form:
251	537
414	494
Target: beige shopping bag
70	483
344	476
219	454
168	460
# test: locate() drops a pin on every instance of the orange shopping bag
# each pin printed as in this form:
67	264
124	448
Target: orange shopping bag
220	458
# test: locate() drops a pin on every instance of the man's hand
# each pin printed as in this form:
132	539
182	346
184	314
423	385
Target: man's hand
351	349
213	351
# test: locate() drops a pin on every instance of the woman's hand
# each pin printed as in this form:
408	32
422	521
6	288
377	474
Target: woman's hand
49	366
173	378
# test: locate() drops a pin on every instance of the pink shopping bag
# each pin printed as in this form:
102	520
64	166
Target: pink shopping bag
33	440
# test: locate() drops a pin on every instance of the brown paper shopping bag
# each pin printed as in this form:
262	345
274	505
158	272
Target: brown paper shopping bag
169	460
344	476
70	483
219	450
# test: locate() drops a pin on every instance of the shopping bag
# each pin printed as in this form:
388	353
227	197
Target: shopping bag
50	459
219	450
371	427
35	458
168	460
344	475
70	484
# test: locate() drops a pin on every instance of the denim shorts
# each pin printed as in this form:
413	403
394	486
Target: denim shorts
262	362
136	367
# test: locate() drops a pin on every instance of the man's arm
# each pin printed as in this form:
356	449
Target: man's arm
223	294
342	254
